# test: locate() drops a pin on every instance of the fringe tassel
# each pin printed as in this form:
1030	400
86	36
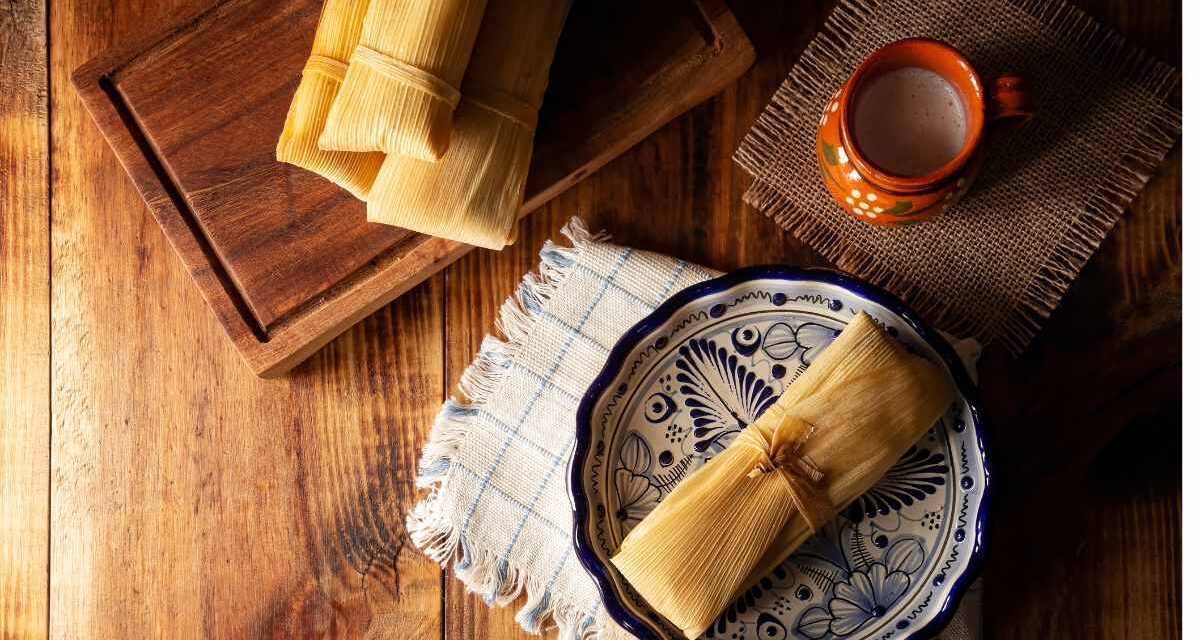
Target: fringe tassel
430	523
820	67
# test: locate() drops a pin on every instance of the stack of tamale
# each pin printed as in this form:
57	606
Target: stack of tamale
831	435
384	109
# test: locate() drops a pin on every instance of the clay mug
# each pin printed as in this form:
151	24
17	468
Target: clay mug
873	195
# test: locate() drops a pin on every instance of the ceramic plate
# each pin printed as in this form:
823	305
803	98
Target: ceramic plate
682	383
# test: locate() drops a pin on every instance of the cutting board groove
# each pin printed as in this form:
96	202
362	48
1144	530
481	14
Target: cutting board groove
285	259
171	190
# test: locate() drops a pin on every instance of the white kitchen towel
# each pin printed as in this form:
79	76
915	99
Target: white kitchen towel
497	456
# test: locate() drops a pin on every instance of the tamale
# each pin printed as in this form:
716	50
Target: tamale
831	435
402	84
474	193
337	35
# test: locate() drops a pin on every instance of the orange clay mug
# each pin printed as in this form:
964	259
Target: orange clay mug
874	195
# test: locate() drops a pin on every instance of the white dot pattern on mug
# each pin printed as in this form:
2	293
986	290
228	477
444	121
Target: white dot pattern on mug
831	107
960	186
860	203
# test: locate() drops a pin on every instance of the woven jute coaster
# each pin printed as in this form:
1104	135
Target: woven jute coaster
998	263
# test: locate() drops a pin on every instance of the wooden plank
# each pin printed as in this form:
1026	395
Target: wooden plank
192	499
1133	556
1114	573
24	322
287	261
1108	358
362	409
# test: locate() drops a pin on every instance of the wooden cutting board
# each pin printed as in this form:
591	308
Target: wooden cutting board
285	259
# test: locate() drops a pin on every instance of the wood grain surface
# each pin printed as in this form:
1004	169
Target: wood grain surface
24	321
286	259
191	499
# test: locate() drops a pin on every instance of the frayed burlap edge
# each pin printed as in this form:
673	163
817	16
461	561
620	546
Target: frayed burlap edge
819	66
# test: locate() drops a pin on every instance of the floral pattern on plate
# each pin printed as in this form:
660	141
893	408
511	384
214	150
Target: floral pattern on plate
891	560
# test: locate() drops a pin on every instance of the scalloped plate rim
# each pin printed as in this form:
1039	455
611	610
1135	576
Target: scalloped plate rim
581	513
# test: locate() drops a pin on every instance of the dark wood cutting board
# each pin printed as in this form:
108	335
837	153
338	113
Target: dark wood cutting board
285	259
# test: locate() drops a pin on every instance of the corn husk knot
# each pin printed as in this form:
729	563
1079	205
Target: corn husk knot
784	454
403	79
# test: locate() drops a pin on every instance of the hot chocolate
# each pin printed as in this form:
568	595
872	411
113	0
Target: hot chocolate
909	121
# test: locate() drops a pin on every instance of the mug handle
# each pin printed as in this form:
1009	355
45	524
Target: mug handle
1009	103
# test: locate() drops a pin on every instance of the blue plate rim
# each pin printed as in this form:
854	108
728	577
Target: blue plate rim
623	348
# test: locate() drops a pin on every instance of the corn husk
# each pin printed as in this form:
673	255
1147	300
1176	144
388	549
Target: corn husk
830	437
337	35
474	193
402	85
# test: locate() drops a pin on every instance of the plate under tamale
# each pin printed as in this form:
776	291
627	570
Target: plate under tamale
286	260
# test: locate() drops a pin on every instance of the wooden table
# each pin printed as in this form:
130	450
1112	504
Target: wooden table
152	486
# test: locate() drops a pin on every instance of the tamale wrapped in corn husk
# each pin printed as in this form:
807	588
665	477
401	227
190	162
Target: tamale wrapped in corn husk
831	435
337	35
402	85
474	193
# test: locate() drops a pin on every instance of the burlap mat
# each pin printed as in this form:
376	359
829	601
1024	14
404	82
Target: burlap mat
998	263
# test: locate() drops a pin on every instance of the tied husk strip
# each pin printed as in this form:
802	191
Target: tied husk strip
474	193
848	418
336	37
784	454
402	85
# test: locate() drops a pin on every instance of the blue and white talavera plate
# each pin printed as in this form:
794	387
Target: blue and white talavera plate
680	385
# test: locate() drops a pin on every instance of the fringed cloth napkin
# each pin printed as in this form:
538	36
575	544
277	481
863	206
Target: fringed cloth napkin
496	458
999	262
